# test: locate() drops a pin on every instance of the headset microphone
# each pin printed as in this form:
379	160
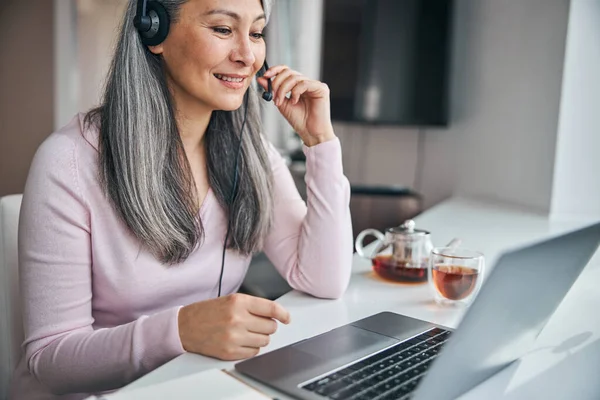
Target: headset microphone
268	95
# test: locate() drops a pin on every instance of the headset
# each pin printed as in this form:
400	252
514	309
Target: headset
152	21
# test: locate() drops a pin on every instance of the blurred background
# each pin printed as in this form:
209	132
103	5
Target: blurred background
431	99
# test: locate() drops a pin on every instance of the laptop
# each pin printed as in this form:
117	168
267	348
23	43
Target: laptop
389	356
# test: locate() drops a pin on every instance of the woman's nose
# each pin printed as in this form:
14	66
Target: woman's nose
243	53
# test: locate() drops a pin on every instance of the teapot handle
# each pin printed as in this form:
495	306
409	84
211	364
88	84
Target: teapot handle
361	236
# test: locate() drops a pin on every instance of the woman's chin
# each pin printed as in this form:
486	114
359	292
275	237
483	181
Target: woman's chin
230	104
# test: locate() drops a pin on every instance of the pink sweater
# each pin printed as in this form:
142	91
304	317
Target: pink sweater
100	311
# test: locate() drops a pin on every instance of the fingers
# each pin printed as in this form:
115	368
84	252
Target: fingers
283	83
265	326
293	83
268	309
286	80
298	91
271	72
263	82
255	340
247	352
236	353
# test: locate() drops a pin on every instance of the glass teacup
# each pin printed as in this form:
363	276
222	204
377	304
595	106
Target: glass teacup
455	275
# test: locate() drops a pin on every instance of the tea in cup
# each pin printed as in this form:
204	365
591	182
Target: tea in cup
455	275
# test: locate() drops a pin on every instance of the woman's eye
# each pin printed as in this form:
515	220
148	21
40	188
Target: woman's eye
222	31
257	35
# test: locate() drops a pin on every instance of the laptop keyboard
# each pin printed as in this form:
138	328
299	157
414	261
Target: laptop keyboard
392	374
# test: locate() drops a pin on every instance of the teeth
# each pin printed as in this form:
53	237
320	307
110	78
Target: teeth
228	79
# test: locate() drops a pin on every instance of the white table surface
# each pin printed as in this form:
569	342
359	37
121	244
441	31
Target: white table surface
563	364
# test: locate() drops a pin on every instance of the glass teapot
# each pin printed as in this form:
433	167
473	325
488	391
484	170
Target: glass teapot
401	255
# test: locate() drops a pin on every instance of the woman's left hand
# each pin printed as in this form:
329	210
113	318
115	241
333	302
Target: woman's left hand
308	107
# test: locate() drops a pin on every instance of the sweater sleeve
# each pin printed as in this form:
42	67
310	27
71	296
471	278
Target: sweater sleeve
311	244
63	350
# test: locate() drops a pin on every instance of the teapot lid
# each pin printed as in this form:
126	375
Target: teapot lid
408	228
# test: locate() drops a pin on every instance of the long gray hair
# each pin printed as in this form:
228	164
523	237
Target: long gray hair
143	167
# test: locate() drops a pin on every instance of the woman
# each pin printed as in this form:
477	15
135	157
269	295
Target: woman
127	210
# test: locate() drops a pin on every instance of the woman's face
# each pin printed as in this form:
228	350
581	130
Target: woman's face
213	52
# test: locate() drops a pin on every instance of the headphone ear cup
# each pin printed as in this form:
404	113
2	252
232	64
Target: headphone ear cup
156	35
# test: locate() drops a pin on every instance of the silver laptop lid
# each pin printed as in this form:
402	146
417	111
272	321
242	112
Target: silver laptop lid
521	293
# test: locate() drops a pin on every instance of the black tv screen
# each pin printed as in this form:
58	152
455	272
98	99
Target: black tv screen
387	61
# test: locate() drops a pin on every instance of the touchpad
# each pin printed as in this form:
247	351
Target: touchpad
346	342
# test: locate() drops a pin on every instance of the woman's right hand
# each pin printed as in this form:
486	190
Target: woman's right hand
230	328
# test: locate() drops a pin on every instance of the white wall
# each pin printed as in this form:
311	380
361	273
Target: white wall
511	88
505	96
84	38
66	71
98	22
576	190
294	39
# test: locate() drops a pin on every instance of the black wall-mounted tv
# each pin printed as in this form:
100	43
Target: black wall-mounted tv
388	61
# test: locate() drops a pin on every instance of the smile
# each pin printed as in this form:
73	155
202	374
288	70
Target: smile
229	79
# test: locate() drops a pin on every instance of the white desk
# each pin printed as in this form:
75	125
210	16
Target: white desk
564	363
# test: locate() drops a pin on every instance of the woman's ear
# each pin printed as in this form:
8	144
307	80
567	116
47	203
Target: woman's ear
158	49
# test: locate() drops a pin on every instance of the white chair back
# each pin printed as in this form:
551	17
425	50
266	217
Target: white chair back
11	322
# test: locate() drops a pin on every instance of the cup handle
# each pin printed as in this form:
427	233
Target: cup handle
361	236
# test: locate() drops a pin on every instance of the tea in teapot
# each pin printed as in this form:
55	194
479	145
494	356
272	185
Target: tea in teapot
401	255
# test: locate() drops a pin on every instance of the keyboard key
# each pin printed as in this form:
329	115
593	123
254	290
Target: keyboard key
332	388
434	332
311	386
369	394
346	371
381	366
362	396
389	396
371	382
399	380
423	336
398	358
413	341
389	372
323	381
348	380
401	391
411	385
388	352
363	374
359	387
379	389
343	394
429	354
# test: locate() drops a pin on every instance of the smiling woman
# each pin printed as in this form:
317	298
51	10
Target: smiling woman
137	214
